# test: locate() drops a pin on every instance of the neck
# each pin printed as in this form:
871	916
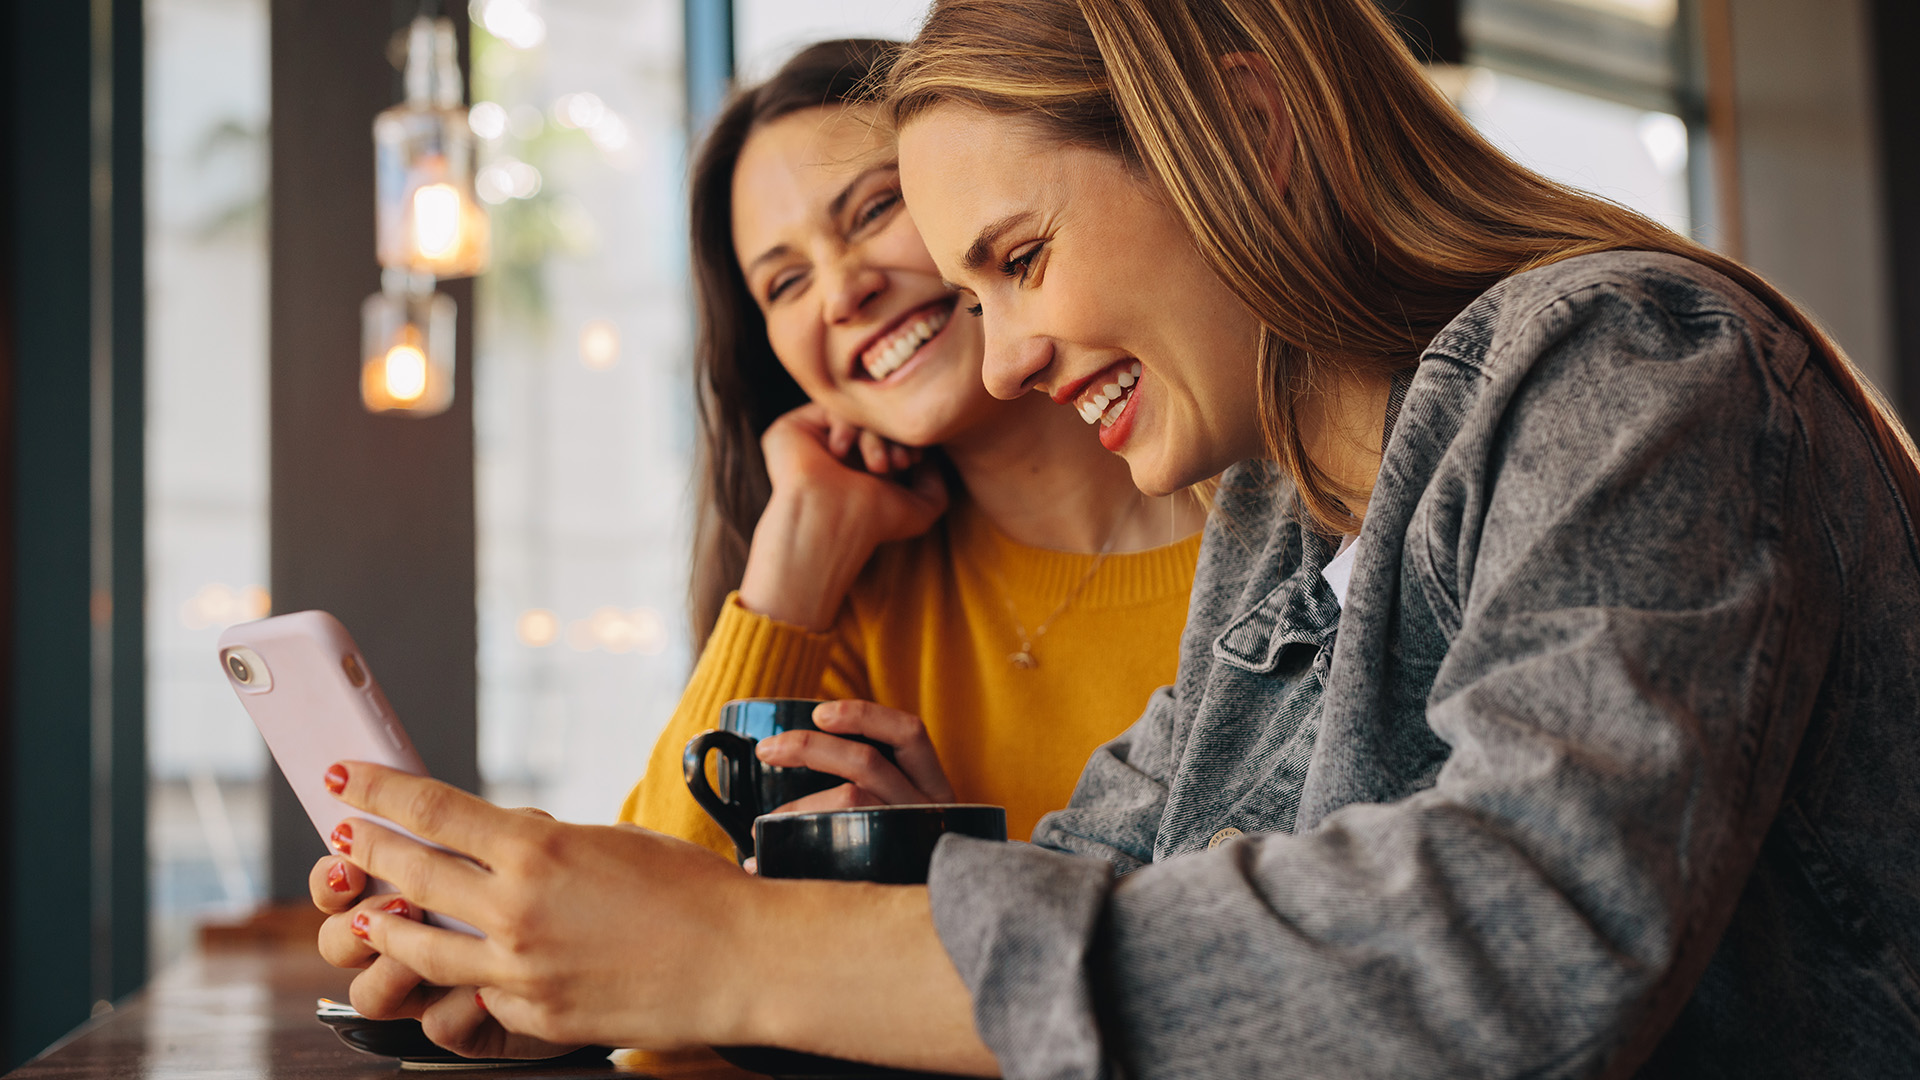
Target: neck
1344	429
1039	474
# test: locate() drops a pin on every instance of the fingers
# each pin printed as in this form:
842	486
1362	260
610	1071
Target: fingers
844	797
342	947
913	750
510	1011
840	437
433	879
457	1021
442	957
876	453
335	884
427	808
855	761
390	990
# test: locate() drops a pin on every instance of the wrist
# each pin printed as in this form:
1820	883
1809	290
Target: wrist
761	963
801	565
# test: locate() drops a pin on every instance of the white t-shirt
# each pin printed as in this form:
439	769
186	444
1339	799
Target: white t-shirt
1340	570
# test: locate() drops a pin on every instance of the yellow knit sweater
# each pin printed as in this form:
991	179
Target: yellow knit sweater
926	629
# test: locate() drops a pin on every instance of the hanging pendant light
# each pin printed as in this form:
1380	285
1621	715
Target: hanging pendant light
429	219
429	225
406	347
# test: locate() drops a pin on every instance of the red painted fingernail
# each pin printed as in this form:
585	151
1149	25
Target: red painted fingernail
398	907
343	838
480	1001
336	778
359	925
337	878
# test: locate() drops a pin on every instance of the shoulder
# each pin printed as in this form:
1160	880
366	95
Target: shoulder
1625	305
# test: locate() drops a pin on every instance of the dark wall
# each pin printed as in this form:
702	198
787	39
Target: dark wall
371	517
71	473
1896	37
1431	28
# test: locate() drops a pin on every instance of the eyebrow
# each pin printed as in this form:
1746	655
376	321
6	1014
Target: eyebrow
834	209
839	202
981	253
778	251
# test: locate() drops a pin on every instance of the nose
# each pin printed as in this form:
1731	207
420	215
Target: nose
1015	359
852	284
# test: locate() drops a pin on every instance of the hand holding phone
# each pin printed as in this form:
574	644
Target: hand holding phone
309	690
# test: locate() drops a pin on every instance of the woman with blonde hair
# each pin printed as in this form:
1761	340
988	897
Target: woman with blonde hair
946	608
1545	706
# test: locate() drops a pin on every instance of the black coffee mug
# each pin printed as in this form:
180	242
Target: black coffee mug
746	788
890	845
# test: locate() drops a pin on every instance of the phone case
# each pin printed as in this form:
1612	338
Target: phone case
318	703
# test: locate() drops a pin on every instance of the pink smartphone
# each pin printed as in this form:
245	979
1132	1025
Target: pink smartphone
315	701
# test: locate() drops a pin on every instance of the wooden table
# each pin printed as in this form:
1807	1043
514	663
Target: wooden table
246	1012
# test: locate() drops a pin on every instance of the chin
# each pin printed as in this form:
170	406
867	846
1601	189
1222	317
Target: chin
1152	480
1157	476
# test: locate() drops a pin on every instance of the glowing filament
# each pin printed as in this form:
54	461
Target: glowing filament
436	220
406	373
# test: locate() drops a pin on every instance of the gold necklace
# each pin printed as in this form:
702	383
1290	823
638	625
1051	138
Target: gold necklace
1023	657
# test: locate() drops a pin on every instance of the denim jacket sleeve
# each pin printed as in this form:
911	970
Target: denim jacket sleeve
1601	504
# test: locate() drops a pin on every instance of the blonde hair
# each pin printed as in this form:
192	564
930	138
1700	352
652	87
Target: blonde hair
1396	213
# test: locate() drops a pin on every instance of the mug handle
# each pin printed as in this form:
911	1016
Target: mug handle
735	813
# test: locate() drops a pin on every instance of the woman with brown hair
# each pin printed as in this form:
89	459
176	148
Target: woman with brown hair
946	607
1594	758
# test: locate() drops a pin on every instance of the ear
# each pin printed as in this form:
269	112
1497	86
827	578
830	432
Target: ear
1255	90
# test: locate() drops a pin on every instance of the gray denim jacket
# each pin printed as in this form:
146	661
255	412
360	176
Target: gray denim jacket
1611	762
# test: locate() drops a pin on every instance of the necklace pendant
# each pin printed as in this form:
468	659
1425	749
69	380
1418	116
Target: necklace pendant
1023	660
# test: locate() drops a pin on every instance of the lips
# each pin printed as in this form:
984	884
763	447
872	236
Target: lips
889	352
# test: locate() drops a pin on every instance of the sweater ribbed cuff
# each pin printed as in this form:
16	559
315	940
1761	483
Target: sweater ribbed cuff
763	657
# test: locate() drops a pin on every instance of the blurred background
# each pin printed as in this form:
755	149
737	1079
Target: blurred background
189	229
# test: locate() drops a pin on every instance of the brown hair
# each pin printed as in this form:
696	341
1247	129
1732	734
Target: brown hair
1396	214
740	385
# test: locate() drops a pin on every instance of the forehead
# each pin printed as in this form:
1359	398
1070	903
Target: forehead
791	168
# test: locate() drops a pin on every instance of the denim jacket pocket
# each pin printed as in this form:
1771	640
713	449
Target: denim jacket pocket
1299	611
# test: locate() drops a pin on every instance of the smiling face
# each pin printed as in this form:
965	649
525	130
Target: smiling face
855	308
1090	291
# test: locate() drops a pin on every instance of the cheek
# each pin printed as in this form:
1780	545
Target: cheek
798	342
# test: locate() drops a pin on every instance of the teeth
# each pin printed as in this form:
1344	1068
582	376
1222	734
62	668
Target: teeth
1110	400
885	357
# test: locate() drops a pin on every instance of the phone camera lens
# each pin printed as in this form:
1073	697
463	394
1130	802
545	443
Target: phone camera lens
241	672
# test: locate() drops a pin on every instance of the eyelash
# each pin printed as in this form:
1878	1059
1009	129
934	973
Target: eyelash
876	208
871	213
780	288
1019	265
1015	267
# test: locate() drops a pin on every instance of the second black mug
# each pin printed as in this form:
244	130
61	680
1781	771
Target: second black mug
746	789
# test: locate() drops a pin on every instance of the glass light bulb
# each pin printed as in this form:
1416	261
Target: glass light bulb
436	220
406	373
